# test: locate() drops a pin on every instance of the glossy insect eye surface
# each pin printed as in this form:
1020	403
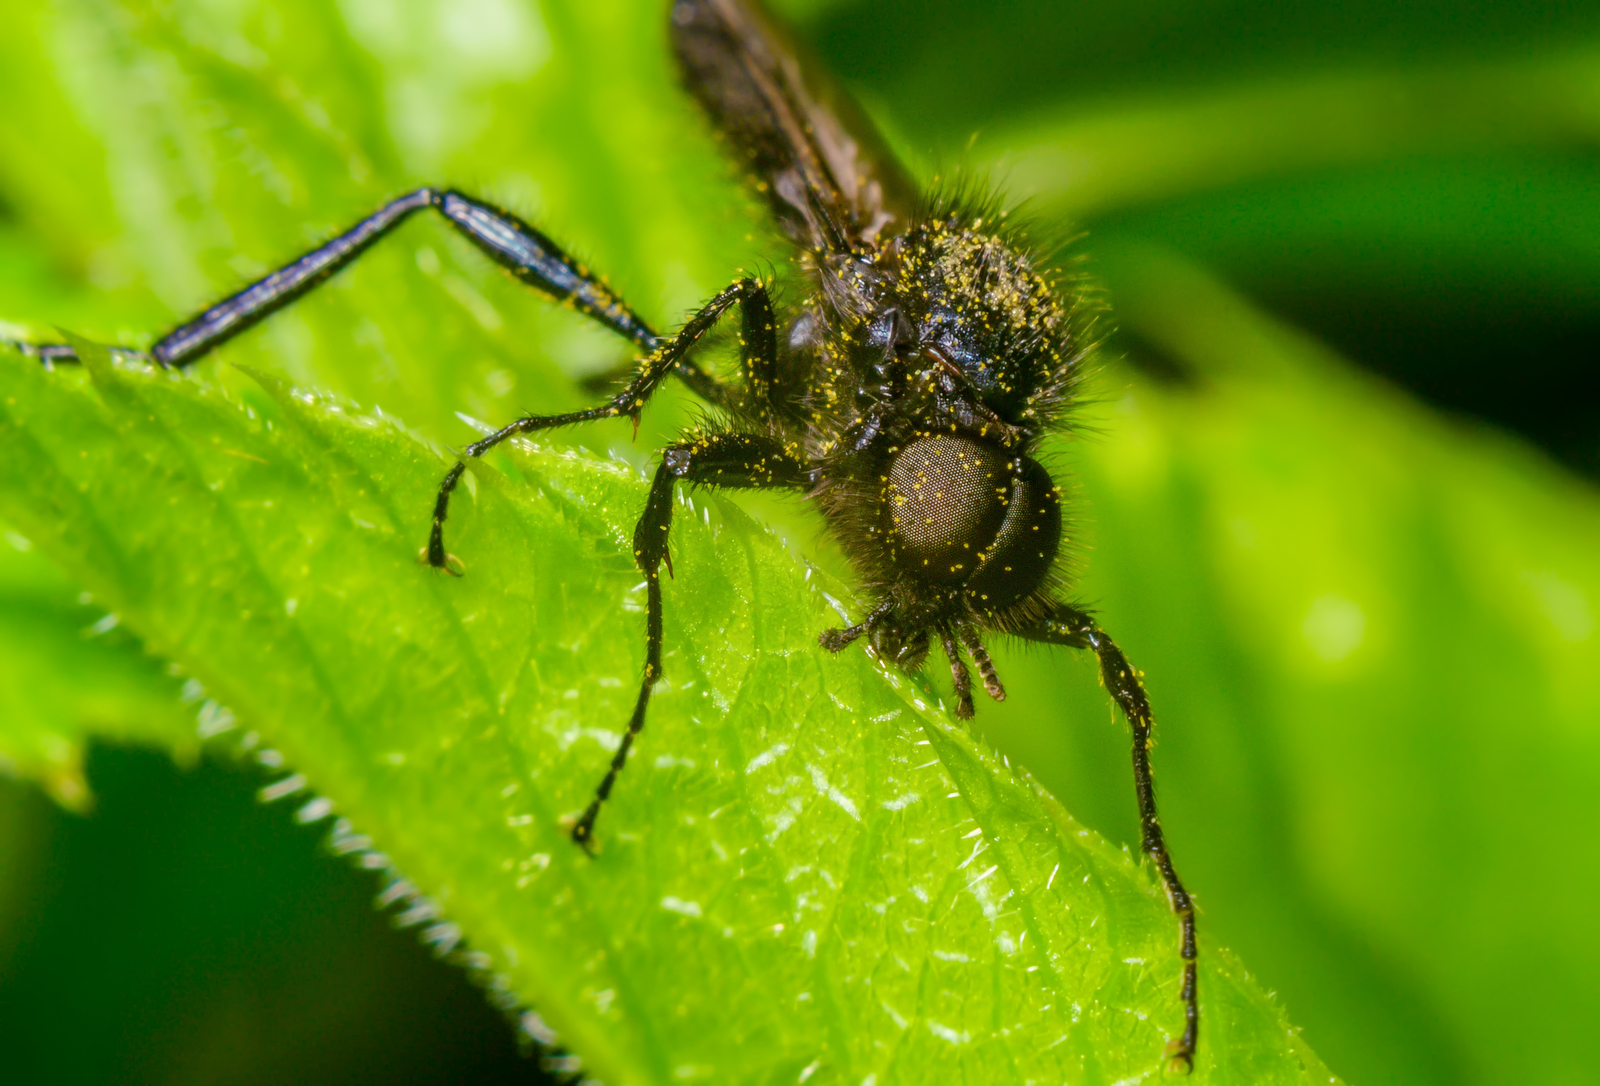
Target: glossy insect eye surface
1017	563
946	500
964	512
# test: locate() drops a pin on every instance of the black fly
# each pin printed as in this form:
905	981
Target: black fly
906	396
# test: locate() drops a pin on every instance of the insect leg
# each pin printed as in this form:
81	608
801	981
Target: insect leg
959	675
758	360
838	640
758	339
728	460
667	356
244	309
1068	626
510	242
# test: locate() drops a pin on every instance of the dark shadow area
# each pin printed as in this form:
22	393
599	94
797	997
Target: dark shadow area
184	932
1473	283
1524	368
971	66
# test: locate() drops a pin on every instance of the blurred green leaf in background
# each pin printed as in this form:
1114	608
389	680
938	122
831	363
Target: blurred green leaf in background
1337	499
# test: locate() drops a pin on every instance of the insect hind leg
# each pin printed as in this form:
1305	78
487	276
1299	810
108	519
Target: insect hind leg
505	239
52	353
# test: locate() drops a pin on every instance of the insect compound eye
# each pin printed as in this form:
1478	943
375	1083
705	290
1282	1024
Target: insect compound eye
946	499
1016	564
962	511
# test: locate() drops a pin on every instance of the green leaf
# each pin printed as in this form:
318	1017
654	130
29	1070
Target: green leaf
1146	150
436	714
1378	628
1385	835
805	862
68	669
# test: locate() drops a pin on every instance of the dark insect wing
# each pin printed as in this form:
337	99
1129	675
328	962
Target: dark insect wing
823	167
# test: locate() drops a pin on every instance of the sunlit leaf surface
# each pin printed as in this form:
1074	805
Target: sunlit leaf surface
1369	632
806	864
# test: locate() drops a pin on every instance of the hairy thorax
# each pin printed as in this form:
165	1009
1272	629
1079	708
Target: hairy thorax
940	359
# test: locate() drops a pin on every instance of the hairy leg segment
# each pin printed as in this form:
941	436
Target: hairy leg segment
726	460
1069	626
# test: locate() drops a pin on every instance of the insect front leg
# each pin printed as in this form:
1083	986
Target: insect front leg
1069	626
727	460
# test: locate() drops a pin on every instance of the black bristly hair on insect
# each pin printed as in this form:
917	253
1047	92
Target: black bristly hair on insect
906	394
